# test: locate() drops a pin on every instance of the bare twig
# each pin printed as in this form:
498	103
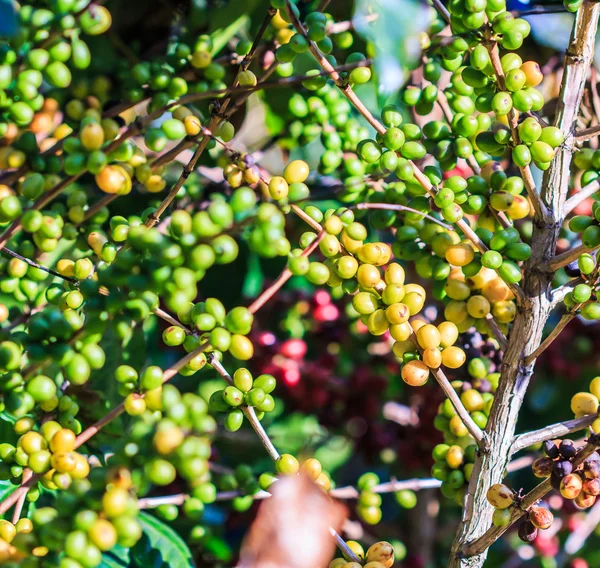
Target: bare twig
567	257
552	432
443	11
579	197
563	322
496	331
588	133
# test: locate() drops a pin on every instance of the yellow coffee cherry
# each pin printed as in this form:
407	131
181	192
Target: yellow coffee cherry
428	336
312	467
496	290
480	279
432	357
456	311
394	274
278	188
192	124
397	313
584	403
351	245
66	267
155	183
472	400
414	301
201	59
457	427
505	311
375	253
337	563
365	303
378	323
478	306
323	481
96	241
448	333
519	208
400	331
356	547
92	136
381	552
415	373
110	179
460	255
296	171
455	456
595	387
368	276
7	530
401	347
453	357
457	290
417	324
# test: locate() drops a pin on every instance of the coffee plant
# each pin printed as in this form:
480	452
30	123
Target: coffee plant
262	258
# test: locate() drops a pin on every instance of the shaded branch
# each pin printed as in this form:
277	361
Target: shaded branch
579	197
552	432
564	321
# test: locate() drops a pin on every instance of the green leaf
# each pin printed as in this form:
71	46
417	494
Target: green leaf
395	34
118	557
160	546
221	36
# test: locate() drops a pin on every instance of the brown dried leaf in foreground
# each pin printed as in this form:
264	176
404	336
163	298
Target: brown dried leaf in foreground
292	528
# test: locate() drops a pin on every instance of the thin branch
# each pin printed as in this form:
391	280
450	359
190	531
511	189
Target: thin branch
558	294
567	257
579	197
281	280
588	133
496	331
30	262
552	432
564	321
443	11
21	502
518	510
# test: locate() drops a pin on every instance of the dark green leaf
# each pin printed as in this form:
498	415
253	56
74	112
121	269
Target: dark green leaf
160	546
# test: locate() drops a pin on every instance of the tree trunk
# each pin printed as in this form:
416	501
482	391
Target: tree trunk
526	333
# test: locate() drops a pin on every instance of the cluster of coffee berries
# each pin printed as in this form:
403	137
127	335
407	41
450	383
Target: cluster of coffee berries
49	452
141	391
581	483
378	555
245	391
586	403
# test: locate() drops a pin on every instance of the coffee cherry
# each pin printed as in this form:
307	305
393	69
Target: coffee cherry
571	486
540	517
501	517
500	496
527	531
542	467
415	373
382	552
287	464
